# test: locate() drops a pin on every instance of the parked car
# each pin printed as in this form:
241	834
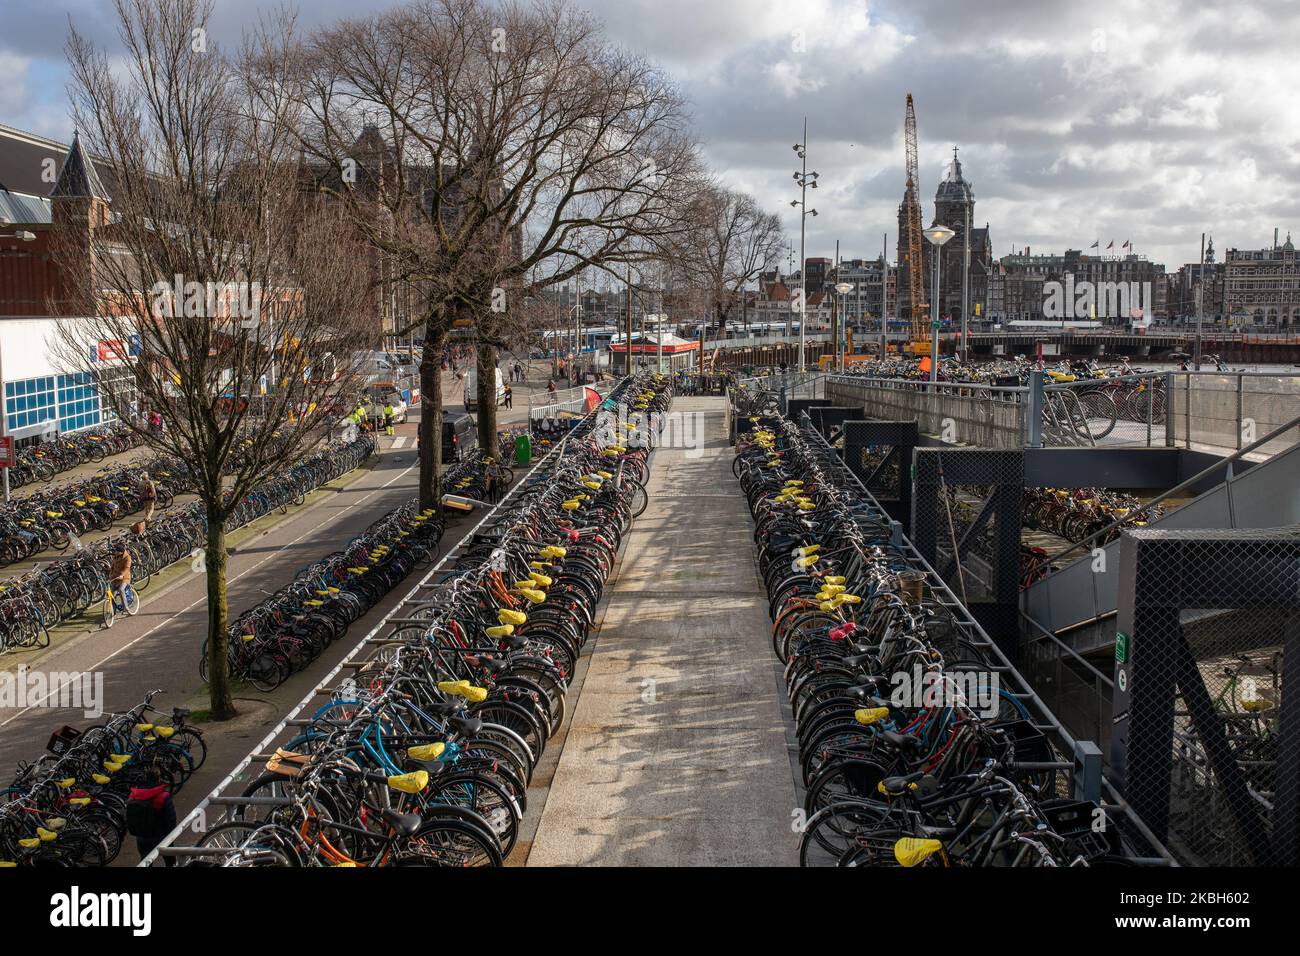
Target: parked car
459	436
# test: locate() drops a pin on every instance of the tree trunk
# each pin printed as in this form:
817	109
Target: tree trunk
487	397
430	430
220	703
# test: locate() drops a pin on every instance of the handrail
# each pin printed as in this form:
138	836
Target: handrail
1181	486
1088	665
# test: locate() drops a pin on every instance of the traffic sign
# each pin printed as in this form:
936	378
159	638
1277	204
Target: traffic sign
6	452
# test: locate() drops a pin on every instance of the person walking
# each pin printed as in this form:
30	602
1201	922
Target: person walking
388	419
510	396
148	495
150	815
550	388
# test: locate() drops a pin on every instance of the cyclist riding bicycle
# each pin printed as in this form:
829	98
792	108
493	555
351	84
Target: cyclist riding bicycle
119	573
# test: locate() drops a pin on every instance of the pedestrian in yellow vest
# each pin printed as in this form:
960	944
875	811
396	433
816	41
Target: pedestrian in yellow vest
388	419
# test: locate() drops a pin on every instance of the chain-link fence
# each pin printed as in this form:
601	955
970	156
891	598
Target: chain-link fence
966	520
1205	724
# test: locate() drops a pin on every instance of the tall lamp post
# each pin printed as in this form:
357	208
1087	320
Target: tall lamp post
843	288
938	234
805	180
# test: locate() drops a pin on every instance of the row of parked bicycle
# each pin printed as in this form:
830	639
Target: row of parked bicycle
424	755
913	748
55	517
280	636
41	462
69	807
59	590
1077	514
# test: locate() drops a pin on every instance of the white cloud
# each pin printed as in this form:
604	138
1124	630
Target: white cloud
1150	121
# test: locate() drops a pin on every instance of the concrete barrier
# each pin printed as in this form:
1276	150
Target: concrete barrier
960	414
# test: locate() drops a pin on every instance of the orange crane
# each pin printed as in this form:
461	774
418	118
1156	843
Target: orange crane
912	252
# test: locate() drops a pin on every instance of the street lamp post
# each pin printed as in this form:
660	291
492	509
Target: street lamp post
938	234
843	288
805	180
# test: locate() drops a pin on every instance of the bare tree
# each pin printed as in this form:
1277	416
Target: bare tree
200	250
729	244
486	151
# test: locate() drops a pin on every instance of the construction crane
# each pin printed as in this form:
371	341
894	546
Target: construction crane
913	259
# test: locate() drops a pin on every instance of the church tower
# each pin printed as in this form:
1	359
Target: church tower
954	207
79	204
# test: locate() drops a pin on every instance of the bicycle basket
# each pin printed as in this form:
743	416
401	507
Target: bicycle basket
61	740
1074	820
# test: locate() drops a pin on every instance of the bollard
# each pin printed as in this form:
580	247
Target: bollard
1034	411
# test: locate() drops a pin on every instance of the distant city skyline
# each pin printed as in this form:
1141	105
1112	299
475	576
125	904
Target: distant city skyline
1114	120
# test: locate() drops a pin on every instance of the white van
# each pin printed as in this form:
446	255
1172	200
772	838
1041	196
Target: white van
471	388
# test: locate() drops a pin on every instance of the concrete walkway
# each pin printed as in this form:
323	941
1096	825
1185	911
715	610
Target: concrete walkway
677	754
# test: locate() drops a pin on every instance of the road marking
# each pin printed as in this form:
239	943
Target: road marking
203	600
398	442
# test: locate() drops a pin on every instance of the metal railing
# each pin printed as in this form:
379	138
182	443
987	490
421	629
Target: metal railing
1117	410
1212	411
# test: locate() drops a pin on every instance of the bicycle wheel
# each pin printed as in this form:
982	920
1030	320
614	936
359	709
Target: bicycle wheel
489	800
1099	412
452	843
831	833
131	600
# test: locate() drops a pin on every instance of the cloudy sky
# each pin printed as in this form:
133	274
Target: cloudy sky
1149	120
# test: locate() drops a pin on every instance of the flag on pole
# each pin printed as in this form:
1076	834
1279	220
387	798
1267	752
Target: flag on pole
1126	244
1095	245
1111	244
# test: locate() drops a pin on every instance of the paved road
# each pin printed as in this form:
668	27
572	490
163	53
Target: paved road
678	751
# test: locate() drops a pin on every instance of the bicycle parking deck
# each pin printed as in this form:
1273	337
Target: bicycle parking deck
677	753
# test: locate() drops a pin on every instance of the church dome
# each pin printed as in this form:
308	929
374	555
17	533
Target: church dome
954	187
